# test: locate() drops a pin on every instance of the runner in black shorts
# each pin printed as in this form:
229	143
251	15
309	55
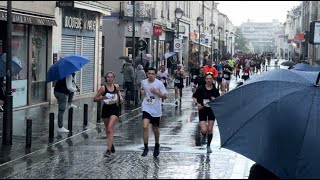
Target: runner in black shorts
154	91
202	96
178	82
110	95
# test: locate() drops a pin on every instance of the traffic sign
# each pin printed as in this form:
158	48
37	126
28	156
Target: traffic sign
177	45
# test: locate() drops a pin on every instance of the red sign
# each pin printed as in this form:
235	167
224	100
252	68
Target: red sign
157	30
300	36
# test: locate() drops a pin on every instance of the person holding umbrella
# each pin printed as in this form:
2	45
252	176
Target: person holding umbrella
61	72
201	97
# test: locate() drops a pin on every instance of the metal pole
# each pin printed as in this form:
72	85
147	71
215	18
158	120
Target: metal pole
219	53
99	111
134	32
157	54
231	46
226	46
51	126
70	120
212	45
8	105
199	45
85	115
29	133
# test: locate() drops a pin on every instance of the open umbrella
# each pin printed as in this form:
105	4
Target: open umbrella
66	66
16	65
274	122
288	63
306	67
138	61
167	55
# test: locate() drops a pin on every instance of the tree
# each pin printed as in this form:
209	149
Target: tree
241	43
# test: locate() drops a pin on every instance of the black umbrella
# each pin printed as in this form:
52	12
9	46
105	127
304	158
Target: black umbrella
288	63
126	58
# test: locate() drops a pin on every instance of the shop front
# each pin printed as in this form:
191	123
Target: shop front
31	44
78	36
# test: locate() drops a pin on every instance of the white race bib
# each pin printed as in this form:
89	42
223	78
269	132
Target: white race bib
194	76
246	74
205	102
163	80
177	81
225	75
149	100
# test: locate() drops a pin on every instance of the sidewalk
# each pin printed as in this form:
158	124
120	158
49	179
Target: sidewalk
40	127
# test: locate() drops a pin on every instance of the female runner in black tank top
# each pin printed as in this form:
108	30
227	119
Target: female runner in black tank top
110	95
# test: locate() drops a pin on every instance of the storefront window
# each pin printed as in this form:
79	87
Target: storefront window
38	63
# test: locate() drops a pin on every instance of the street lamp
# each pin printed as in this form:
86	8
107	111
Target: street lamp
231	42
199	23
212	26
215	41
178	13
219	29
226	32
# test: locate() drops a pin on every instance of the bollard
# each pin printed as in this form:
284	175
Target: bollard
70	119
51	126
29	133
98	111
85	115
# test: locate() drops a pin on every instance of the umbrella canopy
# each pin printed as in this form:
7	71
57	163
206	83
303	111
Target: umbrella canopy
16	65
167	55
126	58
148	55
288	63
66	66
138	61
306	67
274	122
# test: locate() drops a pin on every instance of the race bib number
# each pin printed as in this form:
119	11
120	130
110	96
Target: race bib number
163	80
246	74
226	76
194	76
177	81
205	102
150	100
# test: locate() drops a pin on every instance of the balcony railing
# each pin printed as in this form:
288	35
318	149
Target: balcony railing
143	11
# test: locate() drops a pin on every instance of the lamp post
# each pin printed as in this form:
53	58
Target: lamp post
8	103
226	33
178	13
199	23
215	42
231	43
219	29
212	26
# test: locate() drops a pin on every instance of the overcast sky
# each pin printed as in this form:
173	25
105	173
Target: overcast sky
257	11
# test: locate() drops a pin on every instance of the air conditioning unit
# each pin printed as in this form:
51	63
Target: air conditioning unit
154	13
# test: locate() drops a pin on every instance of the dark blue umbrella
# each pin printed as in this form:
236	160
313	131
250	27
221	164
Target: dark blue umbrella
273	119
306	67
16	65
66	66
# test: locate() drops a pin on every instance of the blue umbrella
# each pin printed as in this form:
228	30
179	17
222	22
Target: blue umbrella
305	67
167	55
66	66
15	67
273	119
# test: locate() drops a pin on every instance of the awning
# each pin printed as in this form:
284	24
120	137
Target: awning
28	19
201	44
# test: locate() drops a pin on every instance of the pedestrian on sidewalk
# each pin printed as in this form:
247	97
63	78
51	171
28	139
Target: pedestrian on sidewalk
74	87
179	75
62	90
110	95
154	91
2	94
201	97
140	75
128	75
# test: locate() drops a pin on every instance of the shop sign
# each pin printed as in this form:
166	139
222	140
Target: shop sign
19	92
79	23
157	30
26	19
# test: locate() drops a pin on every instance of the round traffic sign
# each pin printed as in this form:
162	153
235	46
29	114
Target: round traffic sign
178	45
